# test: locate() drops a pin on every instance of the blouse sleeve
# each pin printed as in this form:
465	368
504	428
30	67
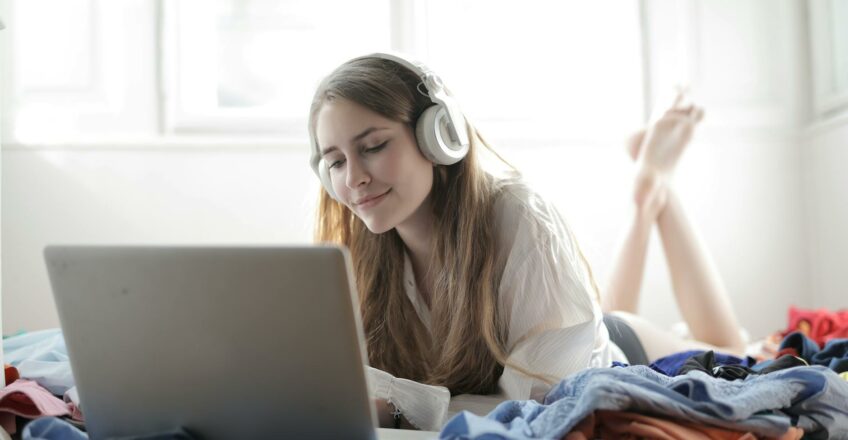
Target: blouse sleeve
554	317
425	406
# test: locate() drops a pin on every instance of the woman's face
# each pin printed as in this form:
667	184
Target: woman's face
375	166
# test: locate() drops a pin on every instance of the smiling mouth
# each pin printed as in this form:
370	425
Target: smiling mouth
374	200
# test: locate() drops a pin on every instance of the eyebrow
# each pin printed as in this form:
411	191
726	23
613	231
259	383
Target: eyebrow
356	138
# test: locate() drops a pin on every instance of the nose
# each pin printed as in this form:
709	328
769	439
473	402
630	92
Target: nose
357	175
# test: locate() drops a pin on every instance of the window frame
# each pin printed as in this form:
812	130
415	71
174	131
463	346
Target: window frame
826	101
408	27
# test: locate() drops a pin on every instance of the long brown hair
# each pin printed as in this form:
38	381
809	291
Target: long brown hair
465	352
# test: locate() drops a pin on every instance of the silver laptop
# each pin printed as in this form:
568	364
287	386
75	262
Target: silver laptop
223	342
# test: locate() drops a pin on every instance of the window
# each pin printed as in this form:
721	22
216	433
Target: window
541	70
829	40
252	66
78	70
138	71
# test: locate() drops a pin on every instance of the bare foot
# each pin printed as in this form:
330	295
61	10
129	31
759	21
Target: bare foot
665	141
657	150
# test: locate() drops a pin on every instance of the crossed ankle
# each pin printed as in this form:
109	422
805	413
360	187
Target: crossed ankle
650	197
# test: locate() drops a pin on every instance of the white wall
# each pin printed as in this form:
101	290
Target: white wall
743	196
825	156
741	180
137	196
2	60
266	196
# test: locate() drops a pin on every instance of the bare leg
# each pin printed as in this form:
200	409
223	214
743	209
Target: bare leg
698	289
625	283
658	342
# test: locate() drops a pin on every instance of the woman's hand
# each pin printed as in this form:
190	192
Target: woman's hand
385	416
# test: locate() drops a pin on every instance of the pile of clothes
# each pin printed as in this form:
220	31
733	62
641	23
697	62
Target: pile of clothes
801	390
39	381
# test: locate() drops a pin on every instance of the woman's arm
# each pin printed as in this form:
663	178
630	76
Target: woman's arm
422	406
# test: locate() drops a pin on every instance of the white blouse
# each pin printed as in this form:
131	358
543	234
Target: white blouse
556	325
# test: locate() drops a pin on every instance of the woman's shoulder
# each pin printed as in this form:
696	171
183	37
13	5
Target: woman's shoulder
527	223
520	207
543	266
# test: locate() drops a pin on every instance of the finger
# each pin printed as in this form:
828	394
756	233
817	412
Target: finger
681	95
685	112
688	109
666	102
678	99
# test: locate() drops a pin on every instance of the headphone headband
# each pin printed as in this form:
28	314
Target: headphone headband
436	92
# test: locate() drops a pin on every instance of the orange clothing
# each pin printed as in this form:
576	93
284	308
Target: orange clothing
628	425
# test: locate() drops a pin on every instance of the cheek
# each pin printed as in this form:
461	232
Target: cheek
420	174
389	168
337	181
407	168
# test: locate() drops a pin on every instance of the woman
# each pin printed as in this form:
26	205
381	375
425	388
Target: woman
468	283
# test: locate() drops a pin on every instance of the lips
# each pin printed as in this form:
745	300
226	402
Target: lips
370	200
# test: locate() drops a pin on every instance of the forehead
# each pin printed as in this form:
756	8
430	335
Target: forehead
341	119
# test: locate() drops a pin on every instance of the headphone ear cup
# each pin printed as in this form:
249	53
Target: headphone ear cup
433	139
324	174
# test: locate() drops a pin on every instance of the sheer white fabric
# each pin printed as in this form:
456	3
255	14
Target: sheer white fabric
555	321
425	406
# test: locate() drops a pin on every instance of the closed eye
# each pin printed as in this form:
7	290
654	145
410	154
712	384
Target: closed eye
376	149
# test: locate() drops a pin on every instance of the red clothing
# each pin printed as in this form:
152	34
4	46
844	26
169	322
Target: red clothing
11	374
28	399
819	325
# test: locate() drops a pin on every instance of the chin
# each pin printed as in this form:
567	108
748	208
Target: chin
378	227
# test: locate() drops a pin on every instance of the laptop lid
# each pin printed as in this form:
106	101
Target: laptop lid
226	342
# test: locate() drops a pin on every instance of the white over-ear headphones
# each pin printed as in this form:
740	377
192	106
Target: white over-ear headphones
440	130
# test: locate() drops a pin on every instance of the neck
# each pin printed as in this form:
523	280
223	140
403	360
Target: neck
417	235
